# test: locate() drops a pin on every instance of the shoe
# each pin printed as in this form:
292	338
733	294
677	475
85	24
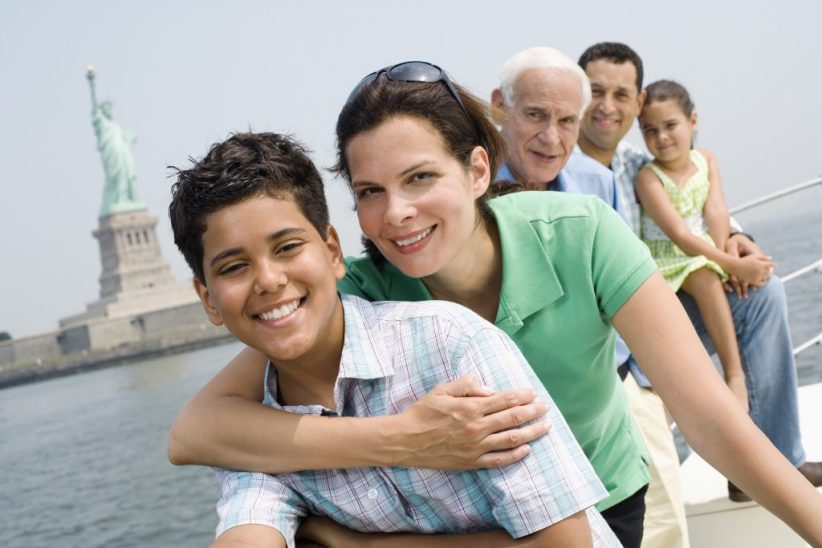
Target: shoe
736	494
812	471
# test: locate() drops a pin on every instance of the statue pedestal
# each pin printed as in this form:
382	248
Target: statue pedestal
130	254
136	281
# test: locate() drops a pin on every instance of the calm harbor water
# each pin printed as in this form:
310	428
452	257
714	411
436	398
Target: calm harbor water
82	458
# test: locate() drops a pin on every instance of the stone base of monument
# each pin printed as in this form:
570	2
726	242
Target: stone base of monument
142	310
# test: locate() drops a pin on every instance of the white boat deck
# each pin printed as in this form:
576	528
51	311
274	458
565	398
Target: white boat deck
715	521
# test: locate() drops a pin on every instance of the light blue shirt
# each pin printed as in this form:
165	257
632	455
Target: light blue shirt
581	175
393	354
584	175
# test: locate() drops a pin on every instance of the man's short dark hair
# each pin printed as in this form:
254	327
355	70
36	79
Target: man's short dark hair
244	166
615	52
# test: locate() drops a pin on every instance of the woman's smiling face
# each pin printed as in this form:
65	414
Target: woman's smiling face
415	201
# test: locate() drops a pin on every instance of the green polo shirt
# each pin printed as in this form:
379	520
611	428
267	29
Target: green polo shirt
569	262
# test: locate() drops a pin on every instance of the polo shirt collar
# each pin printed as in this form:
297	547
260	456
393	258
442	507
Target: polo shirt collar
365	353
504	173
525	264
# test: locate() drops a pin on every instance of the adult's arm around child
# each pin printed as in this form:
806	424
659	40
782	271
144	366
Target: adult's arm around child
458	425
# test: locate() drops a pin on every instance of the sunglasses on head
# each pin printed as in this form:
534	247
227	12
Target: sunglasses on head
415	71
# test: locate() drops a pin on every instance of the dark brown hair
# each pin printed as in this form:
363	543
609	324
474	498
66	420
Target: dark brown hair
243	166
460	131
615	52
663	90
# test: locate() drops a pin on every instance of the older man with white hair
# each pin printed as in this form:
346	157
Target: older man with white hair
544	95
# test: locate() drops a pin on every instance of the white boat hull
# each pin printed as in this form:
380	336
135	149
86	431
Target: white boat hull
715	521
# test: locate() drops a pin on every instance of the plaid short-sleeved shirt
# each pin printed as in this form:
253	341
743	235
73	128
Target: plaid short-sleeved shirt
626	163
393	354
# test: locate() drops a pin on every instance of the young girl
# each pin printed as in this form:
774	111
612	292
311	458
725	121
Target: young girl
685	220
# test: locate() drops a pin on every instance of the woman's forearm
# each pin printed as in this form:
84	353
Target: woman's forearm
661	337
232	432
458	425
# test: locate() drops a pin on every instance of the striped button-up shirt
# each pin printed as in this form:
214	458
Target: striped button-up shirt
625	164
393	354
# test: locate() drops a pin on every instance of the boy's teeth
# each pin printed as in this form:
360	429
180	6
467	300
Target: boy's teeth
417	238
281	312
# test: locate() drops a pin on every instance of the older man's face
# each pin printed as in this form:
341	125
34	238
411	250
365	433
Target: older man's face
542	125
615	104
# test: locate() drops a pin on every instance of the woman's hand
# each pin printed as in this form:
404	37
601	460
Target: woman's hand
463	425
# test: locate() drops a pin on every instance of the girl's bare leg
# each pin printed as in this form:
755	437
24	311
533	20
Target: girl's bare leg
706	288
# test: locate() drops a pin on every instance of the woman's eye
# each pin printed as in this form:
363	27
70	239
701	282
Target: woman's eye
365	192
423	176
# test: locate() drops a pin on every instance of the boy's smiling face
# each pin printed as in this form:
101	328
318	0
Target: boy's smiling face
270	277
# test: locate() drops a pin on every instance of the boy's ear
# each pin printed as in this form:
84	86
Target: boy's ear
332	241
205	298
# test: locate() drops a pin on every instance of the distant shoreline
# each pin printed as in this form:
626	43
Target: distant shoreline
92	361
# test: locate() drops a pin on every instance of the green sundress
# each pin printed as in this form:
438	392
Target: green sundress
689	200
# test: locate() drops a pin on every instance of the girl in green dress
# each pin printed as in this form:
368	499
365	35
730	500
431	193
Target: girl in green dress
685	220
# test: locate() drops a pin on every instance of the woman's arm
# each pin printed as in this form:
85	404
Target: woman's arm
662	338
573	531
458	425
715	210
658	206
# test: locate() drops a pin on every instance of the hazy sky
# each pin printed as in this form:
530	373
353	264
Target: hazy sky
183	74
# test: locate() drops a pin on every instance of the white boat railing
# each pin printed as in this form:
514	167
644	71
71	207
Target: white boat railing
775	195
814	267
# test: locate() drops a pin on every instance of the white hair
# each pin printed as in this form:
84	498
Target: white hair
541	58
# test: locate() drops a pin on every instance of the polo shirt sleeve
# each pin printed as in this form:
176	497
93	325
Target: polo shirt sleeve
555	480
251	498
380	281
620	262
362	278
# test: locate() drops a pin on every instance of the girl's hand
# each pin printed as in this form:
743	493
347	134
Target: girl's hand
753	269
737	385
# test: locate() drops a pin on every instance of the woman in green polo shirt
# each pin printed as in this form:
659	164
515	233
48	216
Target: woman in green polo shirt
553	270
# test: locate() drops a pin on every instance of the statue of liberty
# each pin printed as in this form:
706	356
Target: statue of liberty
115	146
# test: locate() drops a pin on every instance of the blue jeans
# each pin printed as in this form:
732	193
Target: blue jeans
765	346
